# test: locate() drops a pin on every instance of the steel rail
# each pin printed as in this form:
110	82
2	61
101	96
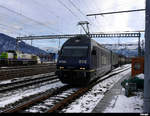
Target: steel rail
27	82
62	103
78	93
34	100
31	66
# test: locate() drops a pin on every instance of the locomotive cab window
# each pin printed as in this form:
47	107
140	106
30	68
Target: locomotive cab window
75	51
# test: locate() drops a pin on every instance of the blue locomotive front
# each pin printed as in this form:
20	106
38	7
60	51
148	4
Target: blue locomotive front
73	65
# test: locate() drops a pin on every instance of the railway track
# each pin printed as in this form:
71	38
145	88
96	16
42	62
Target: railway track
18	72
27	82
54	101
119	68
27	66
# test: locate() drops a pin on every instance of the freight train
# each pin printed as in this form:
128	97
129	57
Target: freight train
81	60
11	58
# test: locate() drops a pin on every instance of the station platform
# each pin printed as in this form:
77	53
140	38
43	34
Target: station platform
115	99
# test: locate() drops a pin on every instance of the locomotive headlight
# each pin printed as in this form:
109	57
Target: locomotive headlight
61	67
82	68
82	61
62	61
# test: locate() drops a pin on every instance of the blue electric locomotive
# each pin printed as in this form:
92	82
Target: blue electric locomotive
81	60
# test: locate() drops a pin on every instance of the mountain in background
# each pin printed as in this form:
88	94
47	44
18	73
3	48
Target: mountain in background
9	43
50	49
129	50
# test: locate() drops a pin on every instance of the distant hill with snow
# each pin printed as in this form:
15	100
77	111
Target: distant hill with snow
50	49
128	50
9	43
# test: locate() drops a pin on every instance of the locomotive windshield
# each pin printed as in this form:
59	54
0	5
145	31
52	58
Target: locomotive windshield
75	51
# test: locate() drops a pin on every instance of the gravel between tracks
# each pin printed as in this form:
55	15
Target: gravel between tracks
87	102
22	72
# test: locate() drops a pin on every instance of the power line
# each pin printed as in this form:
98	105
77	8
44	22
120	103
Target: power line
72	11
81	12
40	23
67	8
45	7
10	30
116	12
13	28
78	9
124	4
48	10
97	21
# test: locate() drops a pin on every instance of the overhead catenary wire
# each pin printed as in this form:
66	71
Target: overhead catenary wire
72	11
48	12
91	9
45	7
107	13
33	20
80	11
10	31
68	9
125	3
14	29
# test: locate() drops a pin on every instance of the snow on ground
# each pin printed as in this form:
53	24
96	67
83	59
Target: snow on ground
46	104
5	82
13	97
87	102
140	76
124	104
24	78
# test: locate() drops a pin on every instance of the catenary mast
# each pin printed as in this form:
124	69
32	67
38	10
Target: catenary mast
147	60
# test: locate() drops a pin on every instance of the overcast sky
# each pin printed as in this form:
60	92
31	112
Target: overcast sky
43	17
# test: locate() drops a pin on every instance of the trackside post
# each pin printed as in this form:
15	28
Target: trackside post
147	61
